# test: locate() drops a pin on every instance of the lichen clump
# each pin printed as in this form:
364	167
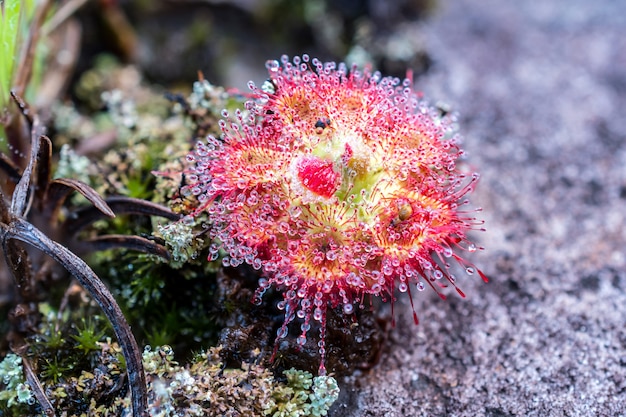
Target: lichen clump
15	389
204	387
207	389
335	183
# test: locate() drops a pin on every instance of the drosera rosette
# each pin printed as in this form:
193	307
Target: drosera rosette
336	183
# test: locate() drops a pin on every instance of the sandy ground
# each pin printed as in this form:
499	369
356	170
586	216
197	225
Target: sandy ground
541	90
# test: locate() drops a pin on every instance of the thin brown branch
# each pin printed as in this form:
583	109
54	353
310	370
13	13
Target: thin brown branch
137	243
19	202
119	205
60	65
17	128
5	214
35	385
21	104
60	188
129	205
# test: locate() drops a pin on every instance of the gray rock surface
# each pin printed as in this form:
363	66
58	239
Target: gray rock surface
541	90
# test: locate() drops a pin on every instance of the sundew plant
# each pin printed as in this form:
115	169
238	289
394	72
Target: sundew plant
338	185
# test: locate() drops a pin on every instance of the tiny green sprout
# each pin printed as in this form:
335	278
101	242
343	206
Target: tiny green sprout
88	336
159	336
54	370
55	339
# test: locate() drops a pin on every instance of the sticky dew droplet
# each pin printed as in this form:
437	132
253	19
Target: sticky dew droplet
281	333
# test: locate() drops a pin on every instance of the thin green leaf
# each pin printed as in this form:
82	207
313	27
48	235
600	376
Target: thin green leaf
9	31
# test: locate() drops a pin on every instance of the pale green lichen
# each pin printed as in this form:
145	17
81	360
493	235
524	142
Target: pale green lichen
303	395
206	388
204	104
207	96
14	389
72	165
325	393
181	241
122	109
70	125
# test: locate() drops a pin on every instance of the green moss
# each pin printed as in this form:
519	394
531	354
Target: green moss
74	360
164	305
88	336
